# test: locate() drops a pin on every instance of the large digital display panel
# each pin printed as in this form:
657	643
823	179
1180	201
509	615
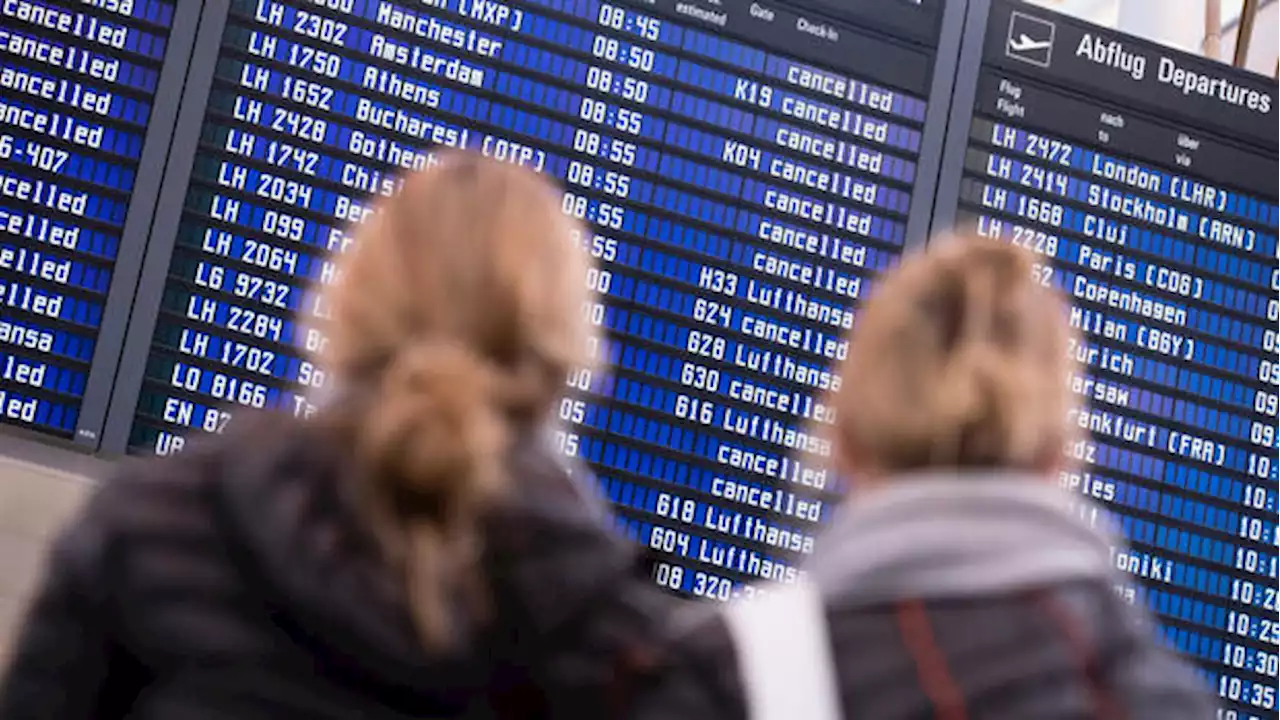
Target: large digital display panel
746	169
1146	180
79	87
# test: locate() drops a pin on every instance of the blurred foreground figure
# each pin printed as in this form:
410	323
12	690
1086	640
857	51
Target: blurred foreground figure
958	582
414	551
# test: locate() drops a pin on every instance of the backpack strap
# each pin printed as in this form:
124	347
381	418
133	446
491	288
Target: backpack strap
784	655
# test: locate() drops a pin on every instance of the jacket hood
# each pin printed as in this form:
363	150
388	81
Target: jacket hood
285	503
959	535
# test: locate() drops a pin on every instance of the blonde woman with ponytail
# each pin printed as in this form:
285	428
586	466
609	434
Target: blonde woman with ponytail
417	549
960	581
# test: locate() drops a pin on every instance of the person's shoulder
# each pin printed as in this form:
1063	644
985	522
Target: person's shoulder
140	487
1109	618
142	491
1104	645
138	500
1150	678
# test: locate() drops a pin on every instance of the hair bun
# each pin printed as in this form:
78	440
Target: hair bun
433	429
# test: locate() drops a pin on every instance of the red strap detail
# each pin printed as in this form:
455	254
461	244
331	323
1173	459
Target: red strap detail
935	676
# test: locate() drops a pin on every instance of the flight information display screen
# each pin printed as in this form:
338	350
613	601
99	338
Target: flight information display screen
746	170
1146	181
77	83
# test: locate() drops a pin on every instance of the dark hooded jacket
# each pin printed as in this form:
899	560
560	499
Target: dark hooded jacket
979	597
235	582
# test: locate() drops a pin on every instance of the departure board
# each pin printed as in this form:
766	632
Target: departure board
78	87
746	169
1146	181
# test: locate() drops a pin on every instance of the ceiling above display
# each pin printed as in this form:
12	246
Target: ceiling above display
1106	12
1185	27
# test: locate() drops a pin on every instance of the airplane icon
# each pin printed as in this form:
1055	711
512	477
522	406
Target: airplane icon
1024	44
1030	39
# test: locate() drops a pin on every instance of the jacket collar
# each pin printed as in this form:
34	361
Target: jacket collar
959	535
